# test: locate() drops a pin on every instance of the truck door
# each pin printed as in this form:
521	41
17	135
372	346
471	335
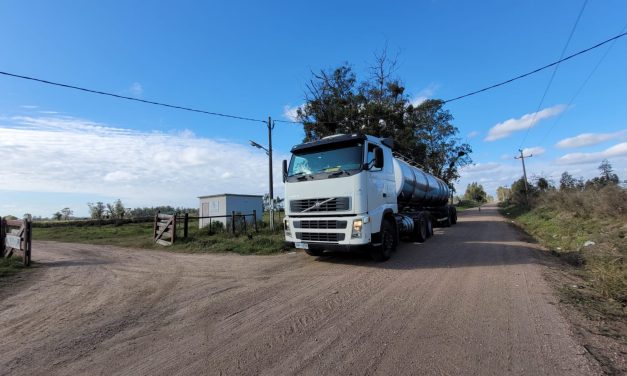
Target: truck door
378	187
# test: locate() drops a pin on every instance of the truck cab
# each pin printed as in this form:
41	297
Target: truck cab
338	192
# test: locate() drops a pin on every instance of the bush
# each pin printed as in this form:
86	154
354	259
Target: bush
605	202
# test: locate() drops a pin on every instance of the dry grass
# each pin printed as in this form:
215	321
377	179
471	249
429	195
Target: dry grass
564	221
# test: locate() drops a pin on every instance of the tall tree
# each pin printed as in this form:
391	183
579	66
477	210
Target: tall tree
503	193
607	175
567	181
336	102
96	210
475	192
66	213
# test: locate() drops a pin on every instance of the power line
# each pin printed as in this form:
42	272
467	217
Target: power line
572	99
299	122
130	98
561	60
546	90
538	69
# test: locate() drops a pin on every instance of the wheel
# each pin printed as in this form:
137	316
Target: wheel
449	218
429	225
314	252
420	233
384	251
454	216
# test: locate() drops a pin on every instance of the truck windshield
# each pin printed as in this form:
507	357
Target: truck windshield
336	161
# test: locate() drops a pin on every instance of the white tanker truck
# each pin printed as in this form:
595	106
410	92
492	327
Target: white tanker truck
349	192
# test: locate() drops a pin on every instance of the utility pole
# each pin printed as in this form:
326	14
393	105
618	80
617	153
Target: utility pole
522	158
270	128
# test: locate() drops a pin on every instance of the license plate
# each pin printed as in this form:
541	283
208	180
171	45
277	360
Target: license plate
301	245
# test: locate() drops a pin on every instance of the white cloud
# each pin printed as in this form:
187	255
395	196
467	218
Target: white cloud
70	155
480	167
424	94
472	134
119	176
619	150
506	128
136	89
29	106
534	151
587	139
291	113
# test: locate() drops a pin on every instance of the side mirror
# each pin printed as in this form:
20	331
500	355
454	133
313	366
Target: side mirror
378	157
284	170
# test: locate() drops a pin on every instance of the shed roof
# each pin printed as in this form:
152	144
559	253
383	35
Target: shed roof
230	194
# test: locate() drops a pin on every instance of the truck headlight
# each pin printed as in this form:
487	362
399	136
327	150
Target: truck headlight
286	224
357	225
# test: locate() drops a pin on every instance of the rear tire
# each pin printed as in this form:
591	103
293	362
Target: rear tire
429	225
384	251
454	216
421	232
449	220
314	252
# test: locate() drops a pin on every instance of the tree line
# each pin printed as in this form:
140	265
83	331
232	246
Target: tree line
117	210
516	193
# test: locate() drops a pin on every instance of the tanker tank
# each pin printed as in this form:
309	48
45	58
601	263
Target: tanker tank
416	187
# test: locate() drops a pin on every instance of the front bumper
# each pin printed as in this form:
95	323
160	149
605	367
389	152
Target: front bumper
334	247
329	233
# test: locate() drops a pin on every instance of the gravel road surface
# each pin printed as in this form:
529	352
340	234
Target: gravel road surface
469	301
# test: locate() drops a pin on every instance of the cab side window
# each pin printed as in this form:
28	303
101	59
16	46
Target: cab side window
370	157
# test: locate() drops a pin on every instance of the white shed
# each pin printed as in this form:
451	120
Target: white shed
227	203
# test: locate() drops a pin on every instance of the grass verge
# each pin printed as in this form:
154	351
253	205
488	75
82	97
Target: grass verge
138	235
466	204
9	266
593	246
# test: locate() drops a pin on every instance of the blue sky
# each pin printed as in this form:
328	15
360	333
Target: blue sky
65	148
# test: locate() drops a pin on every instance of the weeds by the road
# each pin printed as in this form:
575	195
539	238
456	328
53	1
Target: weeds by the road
139	235
587	229
9	266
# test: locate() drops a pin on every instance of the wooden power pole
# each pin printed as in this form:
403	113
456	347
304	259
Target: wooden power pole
270	128
522	158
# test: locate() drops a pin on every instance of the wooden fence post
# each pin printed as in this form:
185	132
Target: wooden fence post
154	232
233	222
28	223
185	224
173	228
2	247
255	219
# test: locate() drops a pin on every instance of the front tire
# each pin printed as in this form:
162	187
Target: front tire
384	251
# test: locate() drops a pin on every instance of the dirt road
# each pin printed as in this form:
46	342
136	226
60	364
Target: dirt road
470	301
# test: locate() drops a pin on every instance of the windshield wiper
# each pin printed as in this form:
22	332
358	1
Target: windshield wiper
338	173
300	176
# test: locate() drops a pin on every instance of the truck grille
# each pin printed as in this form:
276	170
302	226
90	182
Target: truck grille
322	224
320	236
319	204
